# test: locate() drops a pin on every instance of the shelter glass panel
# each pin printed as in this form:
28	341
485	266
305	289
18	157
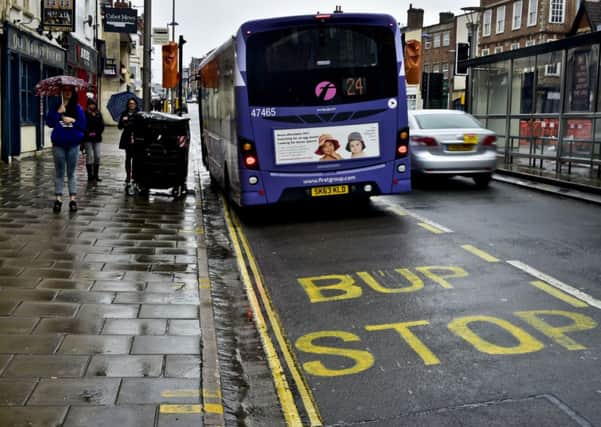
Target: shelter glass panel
498	87
548	82
479	91
581	73
498	126
522	86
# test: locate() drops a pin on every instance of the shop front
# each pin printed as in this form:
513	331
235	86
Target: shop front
26	59
82	62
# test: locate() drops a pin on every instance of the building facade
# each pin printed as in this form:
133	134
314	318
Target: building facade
513	24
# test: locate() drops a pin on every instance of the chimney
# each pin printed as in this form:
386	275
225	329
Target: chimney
446	17
415	18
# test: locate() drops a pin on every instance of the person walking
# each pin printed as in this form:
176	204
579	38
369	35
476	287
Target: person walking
92	140
126	141
68	123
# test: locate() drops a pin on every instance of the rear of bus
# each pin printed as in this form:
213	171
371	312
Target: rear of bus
321	109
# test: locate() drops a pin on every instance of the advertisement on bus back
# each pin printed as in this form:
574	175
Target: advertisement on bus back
332	143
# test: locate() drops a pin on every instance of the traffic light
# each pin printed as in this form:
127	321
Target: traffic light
462	53
170	70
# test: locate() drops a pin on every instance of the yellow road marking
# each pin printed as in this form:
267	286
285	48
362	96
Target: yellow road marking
180	393
479	253
574	302
180	409
204	283
213	408
303	389
430	228
283	390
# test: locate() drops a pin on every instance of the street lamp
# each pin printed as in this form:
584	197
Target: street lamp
473	21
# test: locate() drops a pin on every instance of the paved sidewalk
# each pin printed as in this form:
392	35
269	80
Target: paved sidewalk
99	310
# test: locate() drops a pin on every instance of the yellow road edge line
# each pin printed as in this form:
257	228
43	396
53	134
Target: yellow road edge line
430	228
281	384
306	395
214	408
180	409
545	287
480	253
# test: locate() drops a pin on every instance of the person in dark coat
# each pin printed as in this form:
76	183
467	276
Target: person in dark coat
126	141
68	123
92	139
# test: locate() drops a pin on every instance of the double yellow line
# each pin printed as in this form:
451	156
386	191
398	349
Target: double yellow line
285	394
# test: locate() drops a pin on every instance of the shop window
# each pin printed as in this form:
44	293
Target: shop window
548	85
522	86
498	89
581	78
30	104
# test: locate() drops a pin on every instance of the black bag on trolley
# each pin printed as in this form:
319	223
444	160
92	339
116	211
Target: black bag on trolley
161	145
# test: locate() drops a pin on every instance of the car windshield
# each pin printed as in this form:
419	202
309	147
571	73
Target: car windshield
446	121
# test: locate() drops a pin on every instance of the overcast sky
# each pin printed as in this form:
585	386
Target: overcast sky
206	24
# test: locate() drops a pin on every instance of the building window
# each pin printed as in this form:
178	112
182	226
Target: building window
517	15
486	22
446	38
484	52
515	46
436	40
411	102
498	49
530	42
436	68
427	45
445	70
426	68
556	12
500	19
532	12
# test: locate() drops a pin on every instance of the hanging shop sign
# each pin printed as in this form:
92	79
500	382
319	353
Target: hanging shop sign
58	15
82	56
120	20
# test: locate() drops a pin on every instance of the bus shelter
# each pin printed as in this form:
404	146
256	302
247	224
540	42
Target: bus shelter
544	103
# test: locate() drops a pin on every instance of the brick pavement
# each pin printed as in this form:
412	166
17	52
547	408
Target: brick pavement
99	310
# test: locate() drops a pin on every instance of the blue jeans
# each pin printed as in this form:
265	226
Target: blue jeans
65	157
92	152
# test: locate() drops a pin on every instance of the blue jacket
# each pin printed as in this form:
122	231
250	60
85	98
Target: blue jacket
66	136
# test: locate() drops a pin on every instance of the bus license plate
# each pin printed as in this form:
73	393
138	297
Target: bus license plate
329	191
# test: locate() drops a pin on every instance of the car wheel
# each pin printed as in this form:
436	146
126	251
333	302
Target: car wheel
483	180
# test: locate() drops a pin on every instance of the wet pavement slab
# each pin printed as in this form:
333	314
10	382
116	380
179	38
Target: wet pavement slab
99	309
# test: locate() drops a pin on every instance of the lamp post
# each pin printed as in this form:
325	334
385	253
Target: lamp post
473	21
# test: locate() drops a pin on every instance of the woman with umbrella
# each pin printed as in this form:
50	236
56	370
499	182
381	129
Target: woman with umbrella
68	123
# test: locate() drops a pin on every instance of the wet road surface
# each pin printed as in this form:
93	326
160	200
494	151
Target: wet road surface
449	306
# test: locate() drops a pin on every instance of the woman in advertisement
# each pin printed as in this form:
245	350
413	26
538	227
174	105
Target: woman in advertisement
355	145
327	148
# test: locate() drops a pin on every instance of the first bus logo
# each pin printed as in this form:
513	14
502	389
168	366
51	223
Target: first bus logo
325	90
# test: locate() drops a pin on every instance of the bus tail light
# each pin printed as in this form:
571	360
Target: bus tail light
424	141
249	154
402	143
489	140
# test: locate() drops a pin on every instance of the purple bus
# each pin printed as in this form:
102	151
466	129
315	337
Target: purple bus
307	107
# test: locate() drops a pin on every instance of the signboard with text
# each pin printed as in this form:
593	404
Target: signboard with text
58	15
120	20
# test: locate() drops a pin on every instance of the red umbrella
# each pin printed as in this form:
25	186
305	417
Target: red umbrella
52	85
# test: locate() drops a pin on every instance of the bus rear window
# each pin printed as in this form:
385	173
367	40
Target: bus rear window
321	65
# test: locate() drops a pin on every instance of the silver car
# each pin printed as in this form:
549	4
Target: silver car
451	142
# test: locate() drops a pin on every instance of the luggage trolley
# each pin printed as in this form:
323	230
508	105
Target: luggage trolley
160	156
